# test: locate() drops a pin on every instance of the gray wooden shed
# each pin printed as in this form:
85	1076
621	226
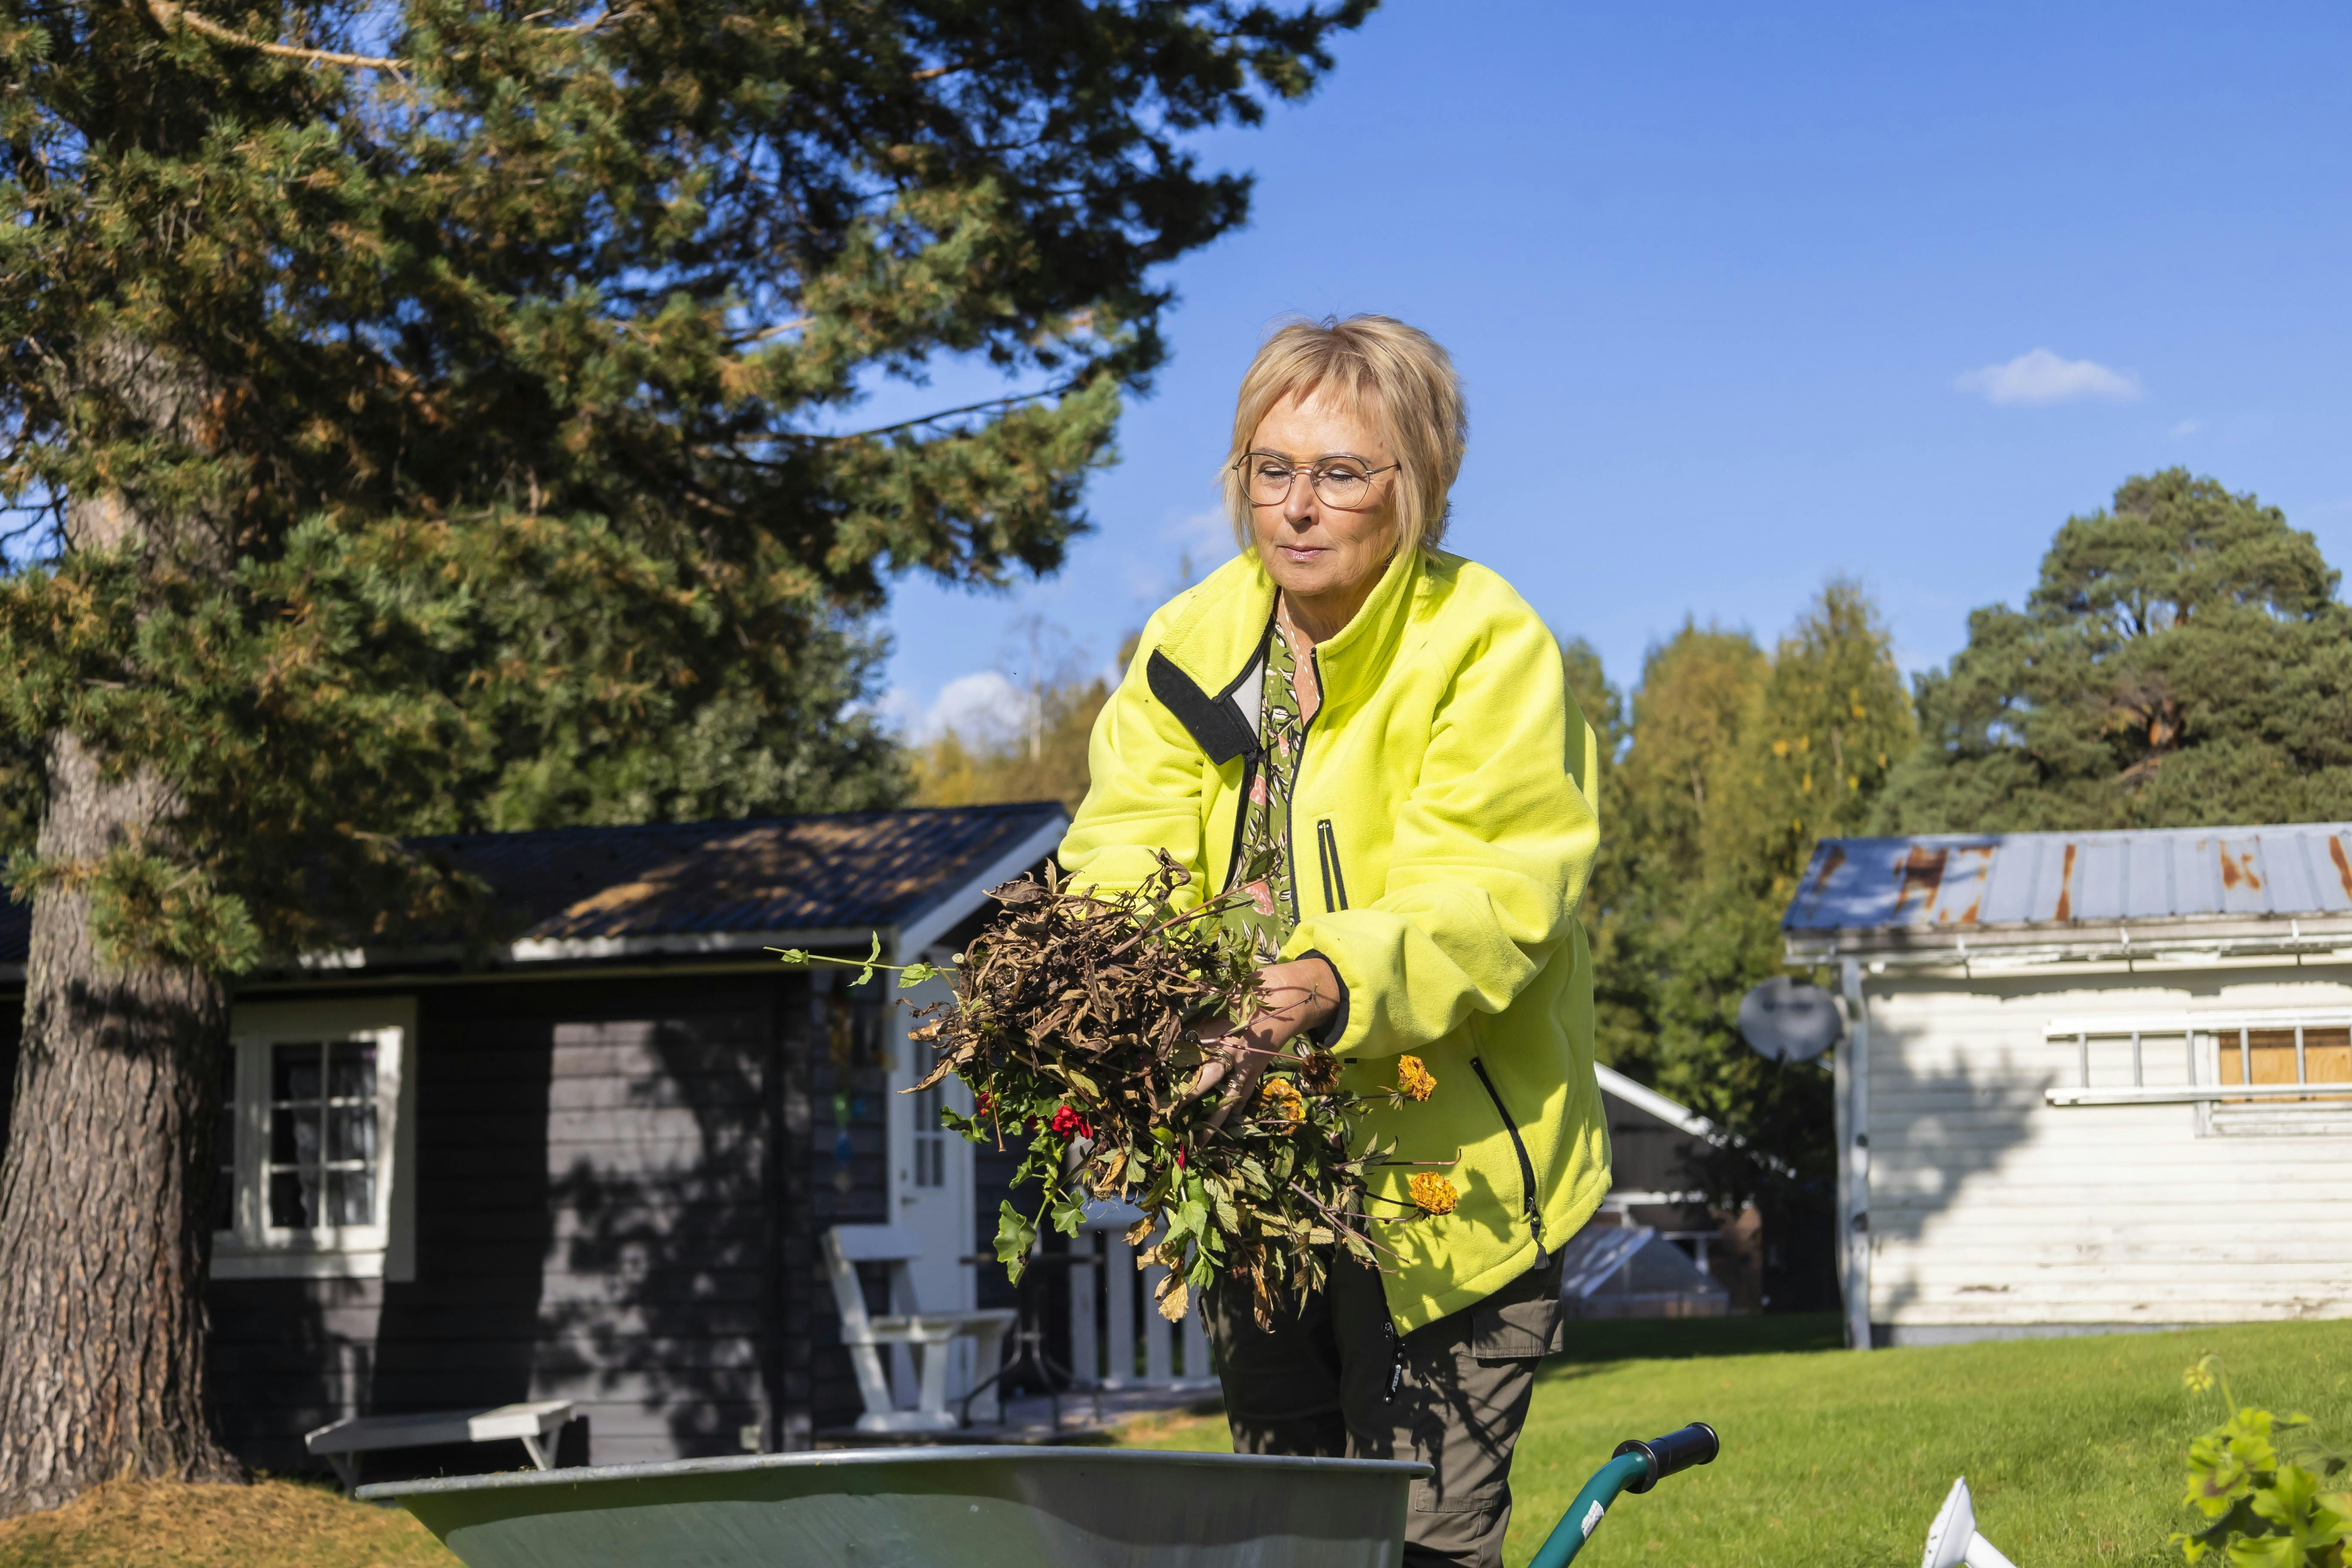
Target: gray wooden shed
593	1163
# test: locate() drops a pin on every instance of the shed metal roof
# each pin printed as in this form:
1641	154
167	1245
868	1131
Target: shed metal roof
2029	886
853	871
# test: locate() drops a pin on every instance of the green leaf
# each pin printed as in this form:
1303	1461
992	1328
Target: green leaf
872	958
1069	1213
791	955
913	974
1014	1236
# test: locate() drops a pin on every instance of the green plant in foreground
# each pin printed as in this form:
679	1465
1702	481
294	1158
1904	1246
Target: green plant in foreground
2266	1485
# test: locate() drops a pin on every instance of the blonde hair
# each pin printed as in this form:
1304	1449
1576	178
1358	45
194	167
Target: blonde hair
1394	374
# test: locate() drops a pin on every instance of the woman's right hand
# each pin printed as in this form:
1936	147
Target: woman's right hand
1293	998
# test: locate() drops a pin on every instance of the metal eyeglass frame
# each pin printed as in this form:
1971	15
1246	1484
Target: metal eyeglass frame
1315	477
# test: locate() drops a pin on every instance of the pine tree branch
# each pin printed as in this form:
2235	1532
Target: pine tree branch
170	12
765	333
934	418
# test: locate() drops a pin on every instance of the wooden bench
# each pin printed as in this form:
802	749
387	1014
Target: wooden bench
341	1443
929	1336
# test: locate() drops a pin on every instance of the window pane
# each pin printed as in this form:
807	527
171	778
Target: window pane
294	1134
294	1072
351	1132
350	1197
294	1199
351	1069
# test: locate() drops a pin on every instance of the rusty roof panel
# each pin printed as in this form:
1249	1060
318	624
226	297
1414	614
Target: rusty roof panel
1955	882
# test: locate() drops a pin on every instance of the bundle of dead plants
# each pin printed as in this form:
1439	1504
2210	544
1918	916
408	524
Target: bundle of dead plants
1079	1023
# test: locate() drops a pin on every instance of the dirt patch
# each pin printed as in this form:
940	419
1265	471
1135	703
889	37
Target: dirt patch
167	1524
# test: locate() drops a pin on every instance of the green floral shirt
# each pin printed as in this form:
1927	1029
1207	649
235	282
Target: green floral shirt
1273	908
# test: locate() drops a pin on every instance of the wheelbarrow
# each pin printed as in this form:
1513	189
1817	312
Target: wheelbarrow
973	1508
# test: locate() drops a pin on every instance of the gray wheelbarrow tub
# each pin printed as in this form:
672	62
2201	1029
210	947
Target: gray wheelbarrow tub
926	1507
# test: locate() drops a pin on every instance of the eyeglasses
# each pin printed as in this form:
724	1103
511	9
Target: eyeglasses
1341	482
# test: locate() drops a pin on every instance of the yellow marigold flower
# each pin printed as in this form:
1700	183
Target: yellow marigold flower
1433	1193
1413	1079
1279	1101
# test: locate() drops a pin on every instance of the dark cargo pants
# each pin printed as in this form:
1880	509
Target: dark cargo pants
1331	1379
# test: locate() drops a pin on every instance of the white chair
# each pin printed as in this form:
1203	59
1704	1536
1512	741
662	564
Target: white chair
1117	1280
929	1336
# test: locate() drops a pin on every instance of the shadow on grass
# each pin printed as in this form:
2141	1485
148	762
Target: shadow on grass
1593	1342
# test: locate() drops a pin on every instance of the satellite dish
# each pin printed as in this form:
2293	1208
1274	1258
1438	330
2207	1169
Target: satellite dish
1787	1020
1953	1540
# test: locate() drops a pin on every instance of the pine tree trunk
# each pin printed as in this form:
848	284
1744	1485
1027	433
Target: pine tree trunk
105	1229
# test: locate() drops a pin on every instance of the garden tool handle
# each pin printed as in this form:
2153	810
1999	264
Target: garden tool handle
1635	1467
1695	1443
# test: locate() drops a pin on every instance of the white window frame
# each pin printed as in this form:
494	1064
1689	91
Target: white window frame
252	1248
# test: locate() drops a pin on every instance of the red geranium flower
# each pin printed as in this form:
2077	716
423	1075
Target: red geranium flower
1067	1121
985	1105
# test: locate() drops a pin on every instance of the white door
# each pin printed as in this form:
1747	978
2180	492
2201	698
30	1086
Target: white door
930	1181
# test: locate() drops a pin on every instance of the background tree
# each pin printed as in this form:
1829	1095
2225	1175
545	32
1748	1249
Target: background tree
1044	758
435	415
1814	749
1696	691
1736	765
2182	661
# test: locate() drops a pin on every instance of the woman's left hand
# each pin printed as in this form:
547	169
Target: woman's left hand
1293	998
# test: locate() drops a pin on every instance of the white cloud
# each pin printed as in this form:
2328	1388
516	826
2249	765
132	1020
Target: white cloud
2185	428
982	707
2041	376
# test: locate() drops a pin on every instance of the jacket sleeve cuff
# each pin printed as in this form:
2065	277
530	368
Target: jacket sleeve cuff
1329	1035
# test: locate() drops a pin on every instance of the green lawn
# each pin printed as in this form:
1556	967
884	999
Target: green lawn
2073	1447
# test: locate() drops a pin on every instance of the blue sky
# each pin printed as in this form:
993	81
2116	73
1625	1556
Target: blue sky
1749	297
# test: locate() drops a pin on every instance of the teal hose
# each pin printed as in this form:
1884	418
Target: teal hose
1567	1537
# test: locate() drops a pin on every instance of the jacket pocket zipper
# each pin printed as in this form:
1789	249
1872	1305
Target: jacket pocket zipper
1327	855
1526	1166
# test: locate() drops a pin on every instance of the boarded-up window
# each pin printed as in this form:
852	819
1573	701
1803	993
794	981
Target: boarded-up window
2281	1054
2304	1054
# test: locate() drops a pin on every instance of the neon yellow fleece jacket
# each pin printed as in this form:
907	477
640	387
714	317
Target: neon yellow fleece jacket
1442	830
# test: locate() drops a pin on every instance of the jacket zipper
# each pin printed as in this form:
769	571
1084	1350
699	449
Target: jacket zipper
1526	1166
1297	771
1327	855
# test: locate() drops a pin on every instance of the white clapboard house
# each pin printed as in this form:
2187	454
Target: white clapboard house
2091	1080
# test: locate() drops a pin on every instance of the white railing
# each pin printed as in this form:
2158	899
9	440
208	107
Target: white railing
1111	1303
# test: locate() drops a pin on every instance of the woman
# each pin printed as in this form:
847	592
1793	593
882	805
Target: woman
1372	737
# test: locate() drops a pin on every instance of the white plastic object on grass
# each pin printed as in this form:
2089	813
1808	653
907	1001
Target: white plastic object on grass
1953	1539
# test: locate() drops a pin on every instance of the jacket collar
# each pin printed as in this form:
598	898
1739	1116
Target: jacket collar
1215	640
